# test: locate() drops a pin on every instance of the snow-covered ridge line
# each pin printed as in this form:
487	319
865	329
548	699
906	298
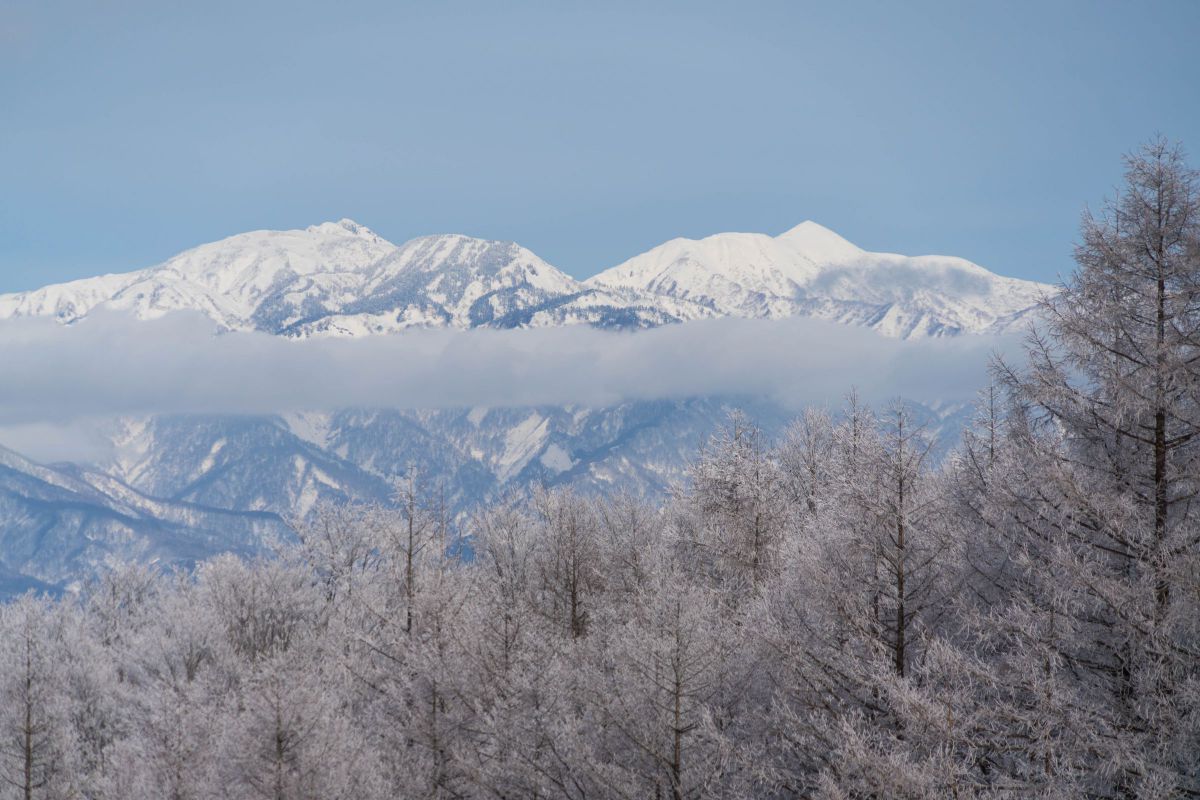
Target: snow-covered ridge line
342	279
812	271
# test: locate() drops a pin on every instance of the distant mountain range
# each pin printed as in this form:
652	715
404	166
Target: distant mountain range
341	279
175	489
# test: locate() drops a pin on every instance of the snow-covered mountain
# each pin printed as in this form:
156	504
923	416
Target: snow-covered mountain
247	463
229	280
178	488
812	271
60	524
287	463
342	279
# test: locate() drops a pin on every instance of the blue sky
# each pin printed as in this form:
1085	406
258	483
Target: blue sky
588	132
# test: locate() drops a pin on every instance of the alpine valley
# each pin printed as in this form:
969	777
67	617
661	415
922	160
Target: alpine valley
173	489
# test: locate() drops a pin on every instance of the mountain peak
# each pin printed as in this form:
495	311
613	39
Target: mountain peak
812	271
343	226
819	243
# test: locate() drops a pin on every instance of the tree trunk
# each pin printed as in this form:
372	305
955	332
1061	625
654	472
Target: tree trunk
1162	588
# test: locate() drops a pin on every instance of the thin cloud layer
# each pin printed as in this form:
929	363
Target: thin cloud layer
112	365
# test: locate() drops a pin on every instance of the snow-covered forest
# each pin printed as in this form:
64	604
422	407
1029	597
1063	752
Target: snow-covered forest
831	615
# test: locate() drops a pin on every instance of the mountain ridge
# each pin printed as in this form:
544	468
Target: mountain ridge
810	270
342	279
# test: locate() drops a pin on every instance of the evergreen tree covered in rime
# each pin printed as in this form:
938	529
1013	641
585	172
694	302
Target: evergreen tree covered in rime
630	542
163	653
907	548
506	573
262	608
969	491
933	740
413	536
116	602
410	662
506	650
438	719
883	534
95	710
286	739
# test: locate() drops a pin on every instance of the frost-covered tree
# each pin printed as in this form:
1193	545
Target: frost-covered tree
672	683
733	514
848	612
38	751
567	558
806	460
287	739
340	543
1093	503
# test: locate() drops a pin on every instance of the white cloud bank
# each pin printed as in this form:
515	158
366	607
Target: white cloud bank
111	365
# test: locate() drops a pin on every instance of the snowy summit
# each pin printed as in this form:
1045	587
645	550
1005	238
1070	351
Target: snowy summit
812	271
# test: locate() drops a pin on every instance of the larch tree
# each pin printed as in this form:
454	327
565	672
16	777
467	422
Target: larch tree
1096	503
37	749
734	516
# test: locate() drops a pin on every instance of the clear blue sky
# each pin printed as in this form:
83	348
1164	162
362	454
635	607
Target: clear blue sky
586	131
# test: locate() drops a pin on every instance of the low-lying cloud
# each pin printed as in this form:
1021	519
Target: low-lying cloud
112	365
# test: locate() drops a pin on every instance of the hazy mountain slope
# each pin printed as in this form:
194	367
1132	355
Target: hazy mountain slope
178	489
463	456
238	462
811	271
62	524
466	456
